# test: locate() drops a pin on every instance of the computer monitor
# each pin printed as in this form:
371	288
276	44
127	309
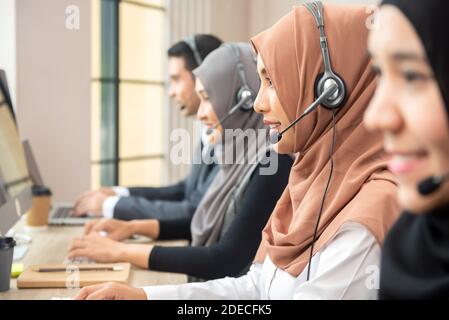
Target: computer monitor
15	184
5	88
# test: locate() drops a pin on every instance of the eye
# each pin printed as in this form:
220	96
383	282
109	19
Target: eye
413	76
270	83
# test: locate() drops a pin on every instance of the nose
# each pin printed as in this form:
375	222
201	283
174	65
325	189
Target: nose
383	113
201	114
171	91
260	105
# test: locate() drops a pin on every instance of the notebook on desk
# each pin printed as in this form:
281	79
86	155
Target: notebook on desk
75	276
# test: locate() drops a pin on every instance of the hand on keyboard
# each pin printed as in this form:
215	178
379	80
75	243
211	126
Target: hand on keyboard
82	260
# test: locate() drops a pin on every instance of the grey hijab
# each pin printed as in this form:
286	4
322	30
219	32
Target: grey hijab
219	76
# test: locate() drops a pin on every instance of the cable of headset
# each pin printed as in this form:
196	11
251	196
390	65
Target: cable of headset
330	92
331	160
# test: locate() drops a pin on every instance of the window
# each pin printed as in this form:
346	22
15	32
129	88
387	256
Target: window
128	92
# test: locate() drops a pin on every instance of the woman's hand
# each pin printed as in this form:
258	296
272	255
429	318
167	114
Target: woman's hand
122	230
98	248
105	250
111	291
115	229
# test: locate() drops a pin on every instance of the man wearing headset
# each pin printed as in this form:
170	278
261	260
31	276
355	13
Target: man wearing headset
174	201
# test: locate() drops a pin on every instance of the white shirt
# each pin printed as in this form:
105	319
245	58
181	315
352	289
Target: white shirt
110	202
347	268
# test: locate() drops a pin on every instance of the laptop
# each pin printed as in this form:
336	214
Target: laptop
61	213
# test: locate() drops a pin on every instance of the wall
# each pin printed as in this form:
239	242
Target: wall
231	19
8	43
53	92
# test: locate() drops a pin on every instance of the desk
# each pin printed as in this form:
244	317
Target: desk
50	246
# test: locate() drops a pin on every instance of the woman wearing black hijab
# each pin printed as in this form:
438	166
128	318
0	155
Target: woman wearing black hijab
411	54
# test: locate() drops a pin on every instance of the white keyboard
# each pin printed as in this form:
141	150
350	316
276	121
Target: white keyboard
78	261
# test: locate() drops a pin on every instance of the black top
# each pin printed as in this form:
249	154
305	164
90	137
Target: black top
173	202
238	245
415	257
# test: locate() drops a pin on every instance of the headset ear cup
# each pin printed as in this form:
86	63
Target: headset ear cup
340	99
248	105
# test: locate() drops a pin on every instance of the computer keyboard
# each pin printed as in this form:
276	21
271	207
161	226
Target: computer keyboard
62	215
63	212
78	261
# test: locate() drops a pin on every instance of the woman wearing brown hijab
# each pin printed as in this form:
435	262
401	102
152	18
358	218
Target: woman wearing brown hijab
359	206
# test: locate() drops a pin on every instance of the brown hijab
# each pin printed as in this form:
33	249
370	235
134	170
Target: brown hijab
361	189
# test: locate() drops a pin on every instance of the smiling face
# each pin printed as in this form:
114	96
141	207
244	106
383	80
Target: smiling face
182	86
267	103
207	115
408	108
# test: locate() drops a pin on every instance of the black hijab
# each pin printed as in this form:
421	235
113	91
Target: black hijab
415	257
429	18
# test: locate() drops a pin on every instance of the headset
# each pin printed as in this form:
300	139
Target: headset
191	42
330	89
330	92
329	77
245	95
332	83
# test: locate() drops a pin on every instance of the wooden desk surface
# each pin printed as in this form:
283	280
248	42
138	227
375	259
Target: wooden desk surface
50	246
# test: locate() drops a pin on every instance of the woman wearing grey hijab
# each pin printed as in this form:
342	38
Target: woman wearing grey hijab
225	230
217	94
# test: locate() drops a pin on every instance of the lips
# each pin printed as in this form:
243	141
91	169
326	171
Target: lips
403	163
206	124
274	126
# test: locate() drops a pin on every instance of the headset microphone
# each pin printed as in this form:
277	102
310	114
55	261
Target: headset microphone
246	96
326	95
432	184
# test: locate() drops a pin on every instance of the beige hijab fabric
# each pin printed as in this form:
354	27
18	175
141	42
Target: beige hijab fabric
362	190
